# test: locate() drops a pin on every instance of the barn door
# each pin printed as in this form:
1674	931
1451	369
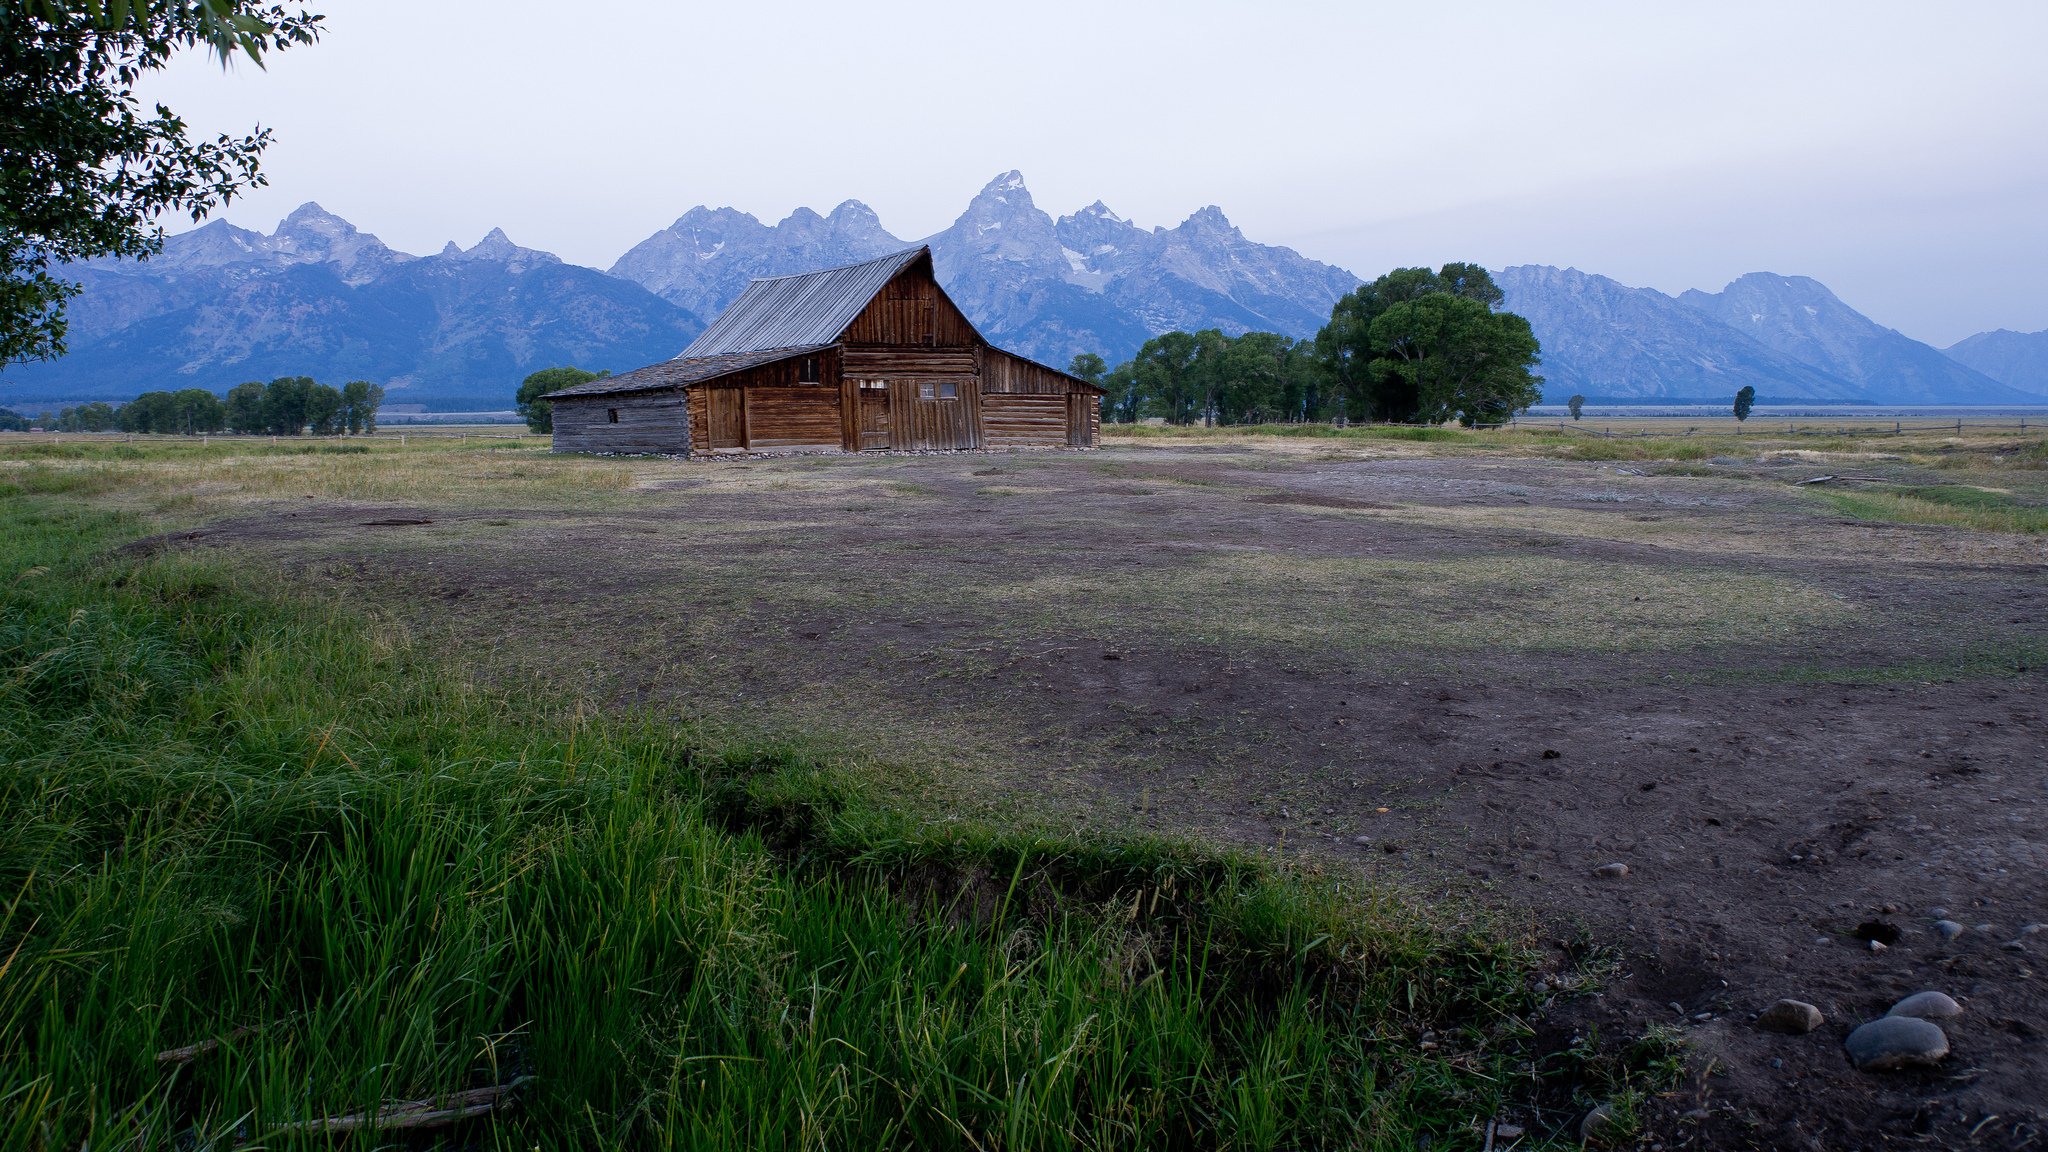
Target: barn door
874	415
726	415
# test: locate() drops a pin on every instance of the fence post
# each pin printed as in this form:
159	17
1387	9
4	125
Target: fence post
1959	424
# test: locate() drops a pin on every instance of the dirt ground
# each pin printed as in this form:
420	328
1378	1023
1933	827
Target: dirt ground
1481	677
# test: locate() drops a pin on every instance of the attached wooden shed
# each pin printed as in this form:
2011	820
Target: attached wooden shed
869	357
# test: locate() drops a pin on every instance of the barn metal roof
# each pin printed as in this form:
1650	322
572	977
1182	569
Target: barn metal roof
808	309
679	372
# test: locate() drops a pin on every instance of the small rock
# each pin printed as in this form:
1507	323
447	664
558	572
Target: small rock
1614	871
1702	1017
1938	913
1985	928
1927	1006
2014	946
1777	1062
1600	1126
1877	945
1896	1042
1507	1131
1792	1017
1361	840
1947	929
2034	929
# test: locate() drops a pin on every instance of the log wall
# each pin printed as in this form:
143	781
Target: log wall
934	425
793	417
648	422
1023	421
912	309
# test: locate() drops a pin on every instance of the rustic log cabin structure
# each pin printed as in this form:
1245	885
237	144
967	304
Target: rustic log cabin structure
868	357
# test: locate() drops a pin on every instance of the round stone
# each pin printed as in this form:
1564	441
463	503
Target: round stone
1948	929
1896	1042
1600	1126
1614	871
1792	1017
1927	1006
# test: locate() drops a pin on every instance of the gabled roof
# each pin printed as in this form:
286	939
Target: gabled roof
679	372
808	309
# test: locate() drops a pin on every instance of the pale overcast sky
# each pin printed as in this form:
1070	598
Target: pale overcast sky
1897	152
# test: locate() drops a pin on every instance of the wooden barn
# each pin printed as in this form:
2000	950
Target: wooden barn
869	357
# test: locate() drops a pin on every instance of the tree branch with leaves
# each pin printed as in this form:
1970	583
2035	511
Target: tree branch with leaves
86	170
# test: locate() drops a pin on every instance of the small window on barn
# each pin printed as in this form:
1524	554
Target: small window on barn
807	370
611	415
927	391
949	391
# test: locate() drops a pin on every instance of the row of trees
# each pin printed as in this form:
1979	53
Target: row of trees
287	406
1414	346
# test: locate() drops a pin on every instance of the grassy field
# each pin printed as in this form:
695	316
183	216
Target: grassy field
265	823
740	806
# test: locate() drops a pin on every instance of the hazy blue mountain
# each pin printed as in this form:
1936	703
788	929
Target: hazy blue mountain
1612	343
221	305
1798	316
1786	336
704	260
2015	359
458	329
1090	282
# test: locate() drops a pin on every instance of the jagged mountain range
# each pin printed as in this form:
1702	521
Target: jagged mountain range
1091	281
1789	337
221	304
458	329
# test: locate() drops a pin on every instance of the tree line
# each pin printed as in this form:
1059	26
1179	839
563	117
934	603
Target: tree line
1413	347
287	406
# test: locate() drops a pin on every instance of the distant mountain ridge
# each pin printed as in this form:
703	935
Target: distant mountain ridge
221	305
458	329
1088	282
2015	359
1786	336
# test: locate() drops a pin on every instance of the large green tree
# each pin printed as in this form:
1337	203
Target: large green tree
1345	345
85	169
1448	354
1449	357
539	414
245	408
360	400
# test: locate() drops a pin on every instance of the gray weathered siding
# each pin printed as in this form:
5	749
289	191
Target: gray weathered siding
649	422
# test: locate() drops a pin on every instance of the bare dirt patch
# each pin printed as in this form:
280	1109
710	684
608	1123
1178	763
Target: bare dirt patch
1483	678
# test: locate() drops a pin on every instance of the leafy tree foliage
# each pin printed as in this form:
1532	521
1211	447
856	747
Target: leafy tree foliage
94	417
1088	366
323	410
85	170
12	421
285	407
1449	357
360	400
1744	401
539	414
1444	354
1577	404
245	408
1379	381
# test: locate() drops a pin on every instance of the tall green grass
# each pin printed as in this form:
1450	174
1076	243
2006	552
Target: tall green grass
1950	505
227	815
